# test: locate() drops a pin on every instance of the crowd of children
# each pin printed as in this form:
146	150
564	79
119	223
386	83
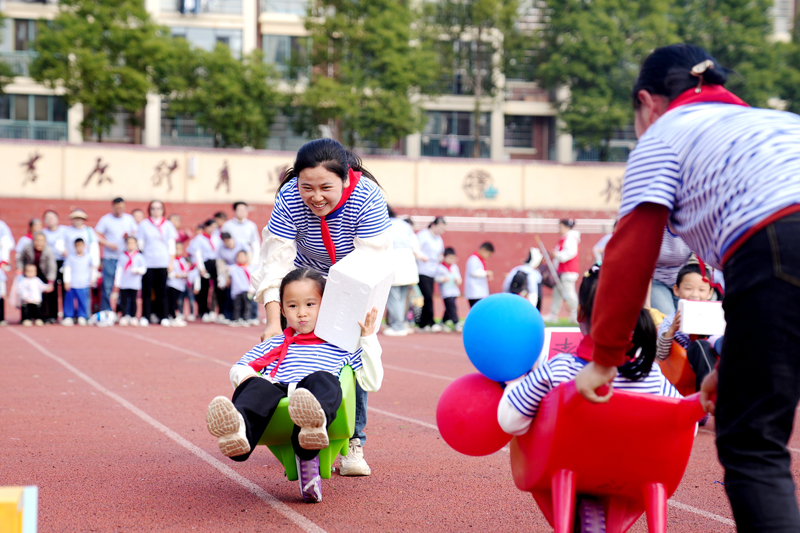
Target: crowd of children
160	272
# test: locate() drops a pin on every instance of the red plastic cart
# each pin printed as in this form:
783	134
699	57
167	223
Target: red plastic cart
616	460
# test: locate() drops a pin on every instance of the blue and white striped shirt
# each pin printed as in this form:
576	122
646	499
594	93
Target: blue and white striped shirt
680	337
364	215
673	255
527	396
302	360
720	168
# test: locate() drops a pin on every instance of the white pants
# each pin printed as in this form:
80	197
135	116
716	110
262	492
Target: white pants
568	281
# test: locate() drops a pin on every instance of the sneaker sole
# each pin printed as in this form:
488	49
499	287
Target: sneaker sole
305	411
222	420
355	471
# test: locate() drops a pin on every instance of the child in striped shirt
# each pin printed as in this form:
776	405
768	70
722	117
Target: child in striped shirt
522	397
300	365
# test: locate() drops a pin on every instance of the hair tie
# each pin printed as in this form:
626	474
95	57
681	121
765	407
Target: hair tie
698	70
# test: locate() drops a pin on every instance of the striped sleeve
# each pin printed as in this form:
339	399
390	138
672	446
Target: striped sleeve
527	396
280	221
373	217
652	175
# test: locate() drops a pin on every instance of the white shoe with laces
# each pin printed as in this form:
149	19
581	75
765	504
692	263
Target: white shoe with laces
354	464
389	332
226	423
143	322
165	322
436	328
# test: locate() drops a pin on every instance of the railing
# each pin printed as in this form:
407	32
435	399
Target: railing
187	7
30	130
513	225
182	131
453	145
18	61
293	7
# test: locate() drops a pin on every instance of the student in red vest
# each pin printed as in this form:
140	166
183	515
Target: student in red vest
566	259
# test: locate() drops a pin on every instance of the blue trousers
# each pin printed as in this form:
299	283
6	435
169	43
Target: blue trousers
82	297
662	298
109	269
361	414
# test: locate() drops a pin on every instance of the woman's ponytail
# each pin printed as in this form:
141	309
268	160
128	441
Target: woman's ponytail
643	349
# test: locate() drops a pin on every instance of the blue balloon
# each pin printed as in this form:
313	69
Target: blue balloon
503	336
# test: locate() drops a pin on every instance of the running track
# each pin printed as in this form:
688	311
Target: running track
110	424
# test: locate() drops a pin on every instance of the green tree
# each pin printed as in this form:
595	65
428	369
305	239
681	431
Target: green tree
594	49
233	98
738	33
789	80
100	51
473	48
370	66
6	72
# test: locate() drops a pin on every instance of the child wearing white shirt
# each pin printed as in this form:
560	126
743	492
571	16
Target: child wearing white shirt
448	276
241	290
478	276
30	289
80	274
131	266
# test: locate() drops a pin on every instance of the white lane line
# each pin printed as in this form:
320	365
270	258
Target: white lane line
417	372
301	521
396	343
172	347
795	450
705	514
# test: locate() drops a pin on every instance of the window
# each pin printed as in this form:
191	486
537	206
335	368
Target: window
295	7
207	38
40	108
45	108
20	107
288	54
519	132
24	34
452	134
59	109
5	107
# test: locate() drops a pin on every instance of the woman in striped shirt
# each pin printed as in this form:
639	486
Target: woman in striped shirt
327	206
300	365
727	177
522	397
671	257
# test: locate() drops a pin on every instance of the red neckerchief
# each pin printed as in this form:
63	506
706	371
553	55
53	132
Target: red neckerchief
279	352
708	93
585	348
130	259
710	281
29	235
158	226
354	177
207	236
181	265
481	259
246	273
448	267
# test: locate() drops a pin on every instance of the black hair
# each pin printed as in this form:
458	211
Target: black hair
436	221
568	222
48	211
130	236
221	214
79	240
668	72
237	204
489	247
224	235
527	259
644	333
208	223
689	268
299	274
391	212
117	200
449	251
331	155
34	221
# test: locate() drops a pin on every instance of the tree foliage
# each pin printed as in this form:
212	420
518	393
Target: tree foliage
233	98
369	66
100	51
6	72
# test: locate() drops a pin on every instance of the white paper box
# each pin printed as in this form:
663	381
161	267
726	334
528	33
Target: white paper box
702	318
355	285
405	263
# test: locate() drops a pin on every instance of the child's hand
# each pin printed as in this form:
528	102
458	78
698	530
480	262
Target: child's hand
49	287
675	326
66	287
368	326
489	274
708	392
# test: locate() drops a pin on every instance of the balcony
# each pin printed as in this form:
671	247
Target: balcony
292	7
14	129
187	7
184	131
18	61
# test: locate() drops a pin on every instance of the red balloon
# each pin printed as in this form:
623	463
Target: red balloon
467	415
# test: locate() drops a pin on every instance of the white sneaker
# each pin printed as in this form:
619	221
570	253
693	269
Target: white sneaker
177	322
67	322
226	423
459	327
38	322
550	318
124	321
81	321
27	322
191	318
153	318
235	323
436	328
206	318
143	322
389	332
354	464
306	412
212	316
253	322
165	322
222	320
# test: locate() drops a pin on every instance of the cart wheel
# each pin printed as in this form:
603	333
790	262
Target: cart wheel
591	516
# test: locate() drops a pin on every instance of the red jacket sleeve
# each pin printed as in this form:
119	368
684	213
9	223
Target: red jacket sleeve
628	265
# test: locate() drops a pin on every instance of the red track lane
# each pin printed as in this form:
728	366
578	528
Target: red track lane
117	442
